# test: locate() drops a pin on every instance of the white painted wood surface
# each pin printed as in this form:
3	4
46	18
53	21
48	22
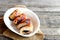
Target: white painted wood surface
47	10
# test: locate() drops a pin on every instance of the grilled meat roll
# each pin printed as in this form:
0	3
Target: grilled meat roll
25	23
26	29
14	14
19	19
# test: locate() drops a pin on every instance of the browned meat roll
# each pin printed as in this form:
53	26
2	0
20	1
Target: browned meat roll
26	30
14	14
25	23
21	25
19	19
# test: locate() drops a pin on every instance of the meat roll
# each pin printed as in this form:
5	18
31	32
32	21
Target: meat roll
26	30
19	19
25	23
21	25
14	14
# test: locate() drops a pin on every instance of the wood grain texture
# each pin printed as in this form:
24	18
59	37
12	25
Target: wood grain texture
47	10
14	36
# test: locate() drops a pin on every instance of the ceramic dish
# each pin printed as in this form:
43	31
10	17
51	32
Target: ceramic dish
29	13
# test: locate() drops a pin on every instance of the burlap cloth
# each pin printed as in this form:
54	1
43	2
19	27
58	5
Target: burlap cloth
6	32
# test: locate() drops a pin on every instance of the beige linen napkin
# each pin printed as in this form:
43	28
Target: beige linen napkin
38	36
10	34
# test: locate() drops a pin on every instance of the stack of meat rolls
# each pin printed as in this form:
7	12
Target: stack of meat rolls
22	22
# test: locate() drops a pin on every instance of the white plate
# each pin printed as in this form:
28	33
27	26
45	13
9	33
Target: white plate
29	13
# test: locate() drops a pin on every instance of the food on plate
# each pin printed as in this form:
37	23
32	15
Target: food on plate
25	23
19	26
27	29
22	22
19	19
14	14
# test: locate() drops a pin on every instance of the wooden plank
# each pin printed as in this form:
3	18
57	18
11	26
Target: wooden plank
32	2
35	5
5	7
50	37
51	31
48	13
49	21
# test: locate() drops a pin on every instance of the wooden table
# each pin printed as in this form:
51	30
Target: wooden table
47	10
